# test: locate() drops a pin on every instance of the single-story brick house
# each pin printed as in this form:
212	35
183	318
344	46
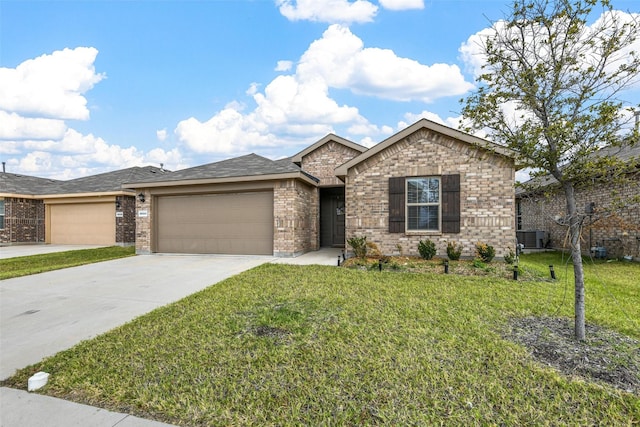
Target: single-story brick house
426	181
611	210
89	210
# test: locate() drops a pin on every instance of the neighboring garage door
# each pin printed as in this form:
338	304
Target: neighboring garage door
235	223
83	224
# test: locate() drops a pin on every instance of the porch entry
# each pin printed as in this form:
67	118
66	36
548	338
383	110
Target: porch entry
332	215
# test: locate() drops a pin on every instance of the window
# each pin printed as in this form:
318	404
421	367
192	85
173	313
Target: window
1	214
423	204
518	215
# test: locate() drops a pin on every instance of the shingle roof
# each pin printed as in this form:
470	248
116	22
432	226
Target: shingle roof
109	181
12	183
105	182
249	165
626	153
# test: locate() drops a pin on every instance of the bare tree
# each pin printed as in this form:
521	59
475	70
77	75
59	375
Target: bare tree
551	90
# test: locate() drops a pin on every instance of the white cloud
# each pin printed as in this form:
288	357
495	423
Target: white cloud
341	59
161	135
471	51
295	107
50	86
284	65
13	126
37	97
226	132
329	11
411	118
402	4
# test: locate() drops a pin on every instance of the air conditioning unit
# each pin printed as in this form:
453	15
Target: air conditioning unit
531	239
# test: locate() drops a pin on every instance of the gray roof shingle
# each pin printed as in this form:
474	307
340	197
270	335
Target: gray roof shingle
248	165
626	153
104	182
109	181
12	183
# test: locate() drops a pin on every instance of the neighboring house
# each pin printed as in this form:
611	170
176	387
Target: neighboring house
90	210
427	181
611	211
21	212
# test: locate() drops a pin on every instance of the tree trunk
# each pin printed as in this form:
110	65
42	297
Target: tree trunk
575	225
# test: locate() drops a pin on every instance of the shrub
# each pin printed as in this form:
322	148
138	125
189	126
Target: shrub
485	252
510	257
427	249
373	250
359	245
454	251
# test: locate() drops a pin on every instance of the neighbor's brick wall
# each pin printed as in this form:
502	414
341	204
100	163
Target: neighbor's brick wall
143	225
296	218
23	221
487	198
618	230
322	162
126	225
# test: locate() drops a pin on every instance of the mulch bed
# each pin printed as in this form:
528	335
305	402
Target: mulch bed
605	356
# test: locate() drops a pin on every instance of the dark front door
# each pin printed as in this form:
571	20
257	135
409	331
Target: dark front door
332	216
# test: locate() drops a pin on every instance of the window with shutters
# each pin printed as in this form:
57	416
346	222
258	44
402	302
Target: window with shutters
429	204
423	204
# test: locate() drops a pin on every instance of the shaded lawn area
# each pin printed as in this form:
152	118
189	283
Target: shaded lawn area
26	265
314	345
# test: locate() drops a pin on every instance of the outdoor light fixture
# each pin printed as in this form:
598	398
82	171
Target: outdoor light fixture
117	204
141	197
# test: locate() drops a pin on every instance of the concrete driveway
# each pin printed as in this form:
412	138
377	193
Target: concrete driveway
43	314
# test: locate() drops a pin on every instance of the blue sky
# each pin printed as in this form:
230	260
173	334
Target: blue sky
94	86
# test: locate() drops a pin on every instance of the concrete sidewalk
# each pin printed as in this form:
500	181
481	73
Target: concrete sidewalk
43	314
11	251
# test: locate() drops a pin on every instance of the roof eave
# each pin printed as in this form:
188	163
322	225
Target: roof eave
123	192
224	180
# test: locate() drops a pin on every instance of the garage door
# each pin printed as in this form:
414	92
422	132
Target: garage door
83	224
237	223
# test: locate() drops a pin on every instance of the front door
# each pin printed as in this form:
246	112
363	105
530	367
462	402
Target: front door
332	217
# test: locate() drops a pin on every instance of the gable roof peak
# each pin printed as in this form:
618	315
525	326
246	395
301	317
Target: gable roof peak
330	137
432	126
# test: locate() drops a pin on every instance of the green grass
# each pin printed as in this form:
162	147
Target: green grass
612	289
313	345
25	265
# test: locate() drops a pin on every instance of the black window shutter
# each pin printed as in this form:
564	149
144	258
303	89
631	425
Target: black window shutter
396	205
451	203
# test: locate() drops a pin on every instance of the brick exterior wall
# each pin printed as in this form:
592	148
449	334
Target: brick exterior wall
126	224
23	221
295	212
617	230
296	218
322	162
487	196
143	223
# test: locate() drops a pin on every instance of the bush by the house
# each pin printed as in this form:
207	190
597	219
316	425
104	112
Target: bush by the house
373	250
454	251
510	257
427	249
485	252
359	245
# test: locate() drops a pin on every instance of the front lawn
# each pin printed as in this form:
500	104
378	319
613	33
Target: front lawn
26	265
317	345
